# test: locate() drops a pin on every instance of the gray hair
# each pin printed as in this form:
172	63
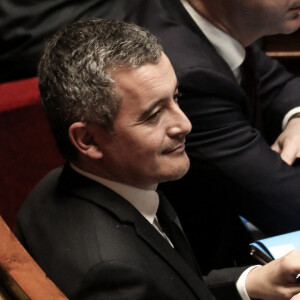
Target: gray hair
75	73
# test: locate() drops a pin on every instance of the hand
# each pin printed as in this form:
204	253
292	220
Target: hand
288	142
297	297
275	280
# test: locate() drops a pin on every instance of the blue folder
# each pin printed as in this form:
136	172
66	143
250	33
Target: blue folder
267	249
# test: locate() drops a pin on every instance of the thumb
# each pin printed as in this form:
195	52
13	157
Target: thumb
289	154
276	147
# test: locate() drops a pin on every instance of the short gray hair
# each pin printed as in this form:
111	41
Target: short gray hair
75	73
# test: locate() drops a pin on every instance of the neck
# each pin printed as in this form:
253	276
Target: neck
92	171
227	16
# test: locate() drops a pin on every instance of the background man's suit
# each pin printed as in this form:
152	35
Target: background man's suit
233	170
26	24
95	245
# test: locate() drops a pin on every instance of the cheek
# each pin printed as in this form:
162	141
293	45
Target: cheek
148	148
141	142
289	3
152	138
139	147
155	142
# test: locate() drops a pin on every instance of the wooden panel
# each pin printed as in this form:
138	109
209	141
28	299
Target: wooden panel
286	48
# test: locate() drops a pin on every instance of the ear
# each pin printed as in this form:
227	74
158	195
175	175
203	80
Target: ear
82	137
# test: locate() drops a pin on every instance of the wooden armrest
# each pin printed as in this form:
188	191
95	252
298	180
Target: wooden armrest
20	275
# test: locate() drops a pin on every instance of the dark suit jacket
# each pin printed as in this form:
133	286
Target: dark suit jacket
26	24
233	170
95	245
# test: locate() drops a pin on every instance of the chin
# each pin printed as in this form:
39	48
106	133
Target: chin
291	26
178	173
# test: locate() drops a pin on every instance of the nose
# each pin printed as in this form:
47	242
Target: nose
179	123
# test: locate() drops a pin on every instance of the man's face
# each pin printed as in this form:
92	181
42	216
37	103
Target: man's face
249	20
147	145
273	16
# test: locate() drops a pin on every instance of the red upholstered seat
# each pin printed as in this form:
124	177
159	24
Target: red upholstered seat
19	93
27	150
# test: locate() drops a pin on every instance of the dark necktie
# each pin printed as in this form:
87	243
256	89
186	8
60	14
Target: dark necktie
182	246
174	231
249	83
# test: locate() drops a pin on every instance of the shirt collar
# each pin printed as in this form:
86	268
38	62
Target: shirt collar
145	201
226	46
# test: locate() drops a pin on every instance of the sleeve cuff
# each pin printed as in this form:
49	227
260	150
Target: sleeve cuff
289	115
241	283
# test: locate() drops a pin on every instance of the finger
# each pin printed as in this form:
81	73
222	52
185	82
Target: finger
289	291
276	147
289	153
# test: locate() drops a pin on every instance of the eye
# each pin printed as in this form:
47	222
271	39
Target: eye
177	96
154	116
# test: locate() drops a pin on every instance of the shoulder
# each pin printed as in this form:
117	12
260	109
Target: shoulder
180	36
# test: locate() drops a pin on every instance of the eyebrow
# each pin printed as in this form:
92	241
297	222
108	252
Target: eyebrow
153	105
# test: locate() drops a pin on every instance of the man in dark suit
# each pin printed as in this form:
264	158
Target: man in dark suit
98	227
236	118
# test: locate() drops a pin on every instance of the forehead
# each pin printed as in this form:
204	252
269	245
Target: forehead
148	81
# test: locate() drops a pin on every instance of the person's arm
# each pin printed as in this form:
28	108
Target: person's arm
222	137
288	142
222	282
275	280
117	280
241	283
280	106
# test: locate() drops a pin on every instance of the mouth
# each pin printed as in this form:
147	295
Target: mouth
177	149
295	9
294	12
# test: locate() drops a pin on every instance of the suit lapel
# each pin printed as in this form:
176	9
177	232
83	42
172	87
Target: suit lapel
89	190
146	232
172	226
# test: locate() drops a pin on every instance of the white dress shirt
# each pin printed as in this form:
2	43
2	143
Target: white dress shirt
145	201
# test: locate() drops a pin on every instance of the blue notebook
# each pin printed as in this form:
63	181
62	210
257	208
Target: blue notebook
267	249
